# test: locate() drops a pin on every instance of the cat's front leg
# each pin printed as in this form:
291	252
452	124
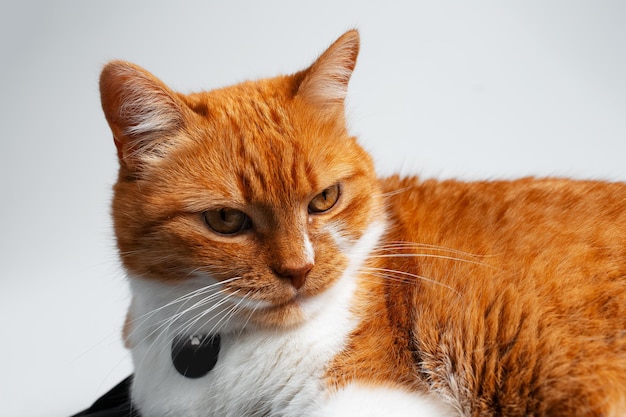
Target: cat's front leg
372	400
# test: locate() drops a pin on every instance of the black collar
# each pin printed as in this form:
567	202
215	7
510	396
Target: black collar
194	356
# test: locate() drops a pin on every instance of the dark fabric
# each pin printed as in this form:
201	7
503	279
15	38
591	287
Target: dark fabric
115	403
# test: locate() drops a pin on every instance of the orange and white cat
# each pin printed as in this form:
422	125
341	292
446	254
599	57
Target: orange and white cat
250	213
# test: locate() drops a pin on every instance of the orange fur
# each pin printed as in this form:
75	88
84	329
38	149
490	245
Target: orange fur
522	310
503	298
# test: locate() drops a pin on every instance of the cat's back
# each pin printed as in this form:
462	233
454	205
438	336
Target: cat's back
518	289
501	208
547	224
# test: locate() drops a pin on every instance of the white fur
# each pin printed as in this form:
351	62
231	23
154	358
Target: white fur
327	84
150	111
309	252
145	104
375	401
259	372
335	231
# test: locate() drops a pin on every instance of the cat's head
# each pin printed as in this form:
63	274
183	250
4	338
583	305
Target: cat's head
258	185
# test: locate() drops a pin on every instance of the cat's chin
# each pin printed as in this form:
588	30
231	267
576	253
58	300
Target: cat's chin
283	314
287	314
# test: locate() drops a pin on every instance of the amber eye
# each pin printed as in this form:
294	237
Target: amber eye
325	200
226	221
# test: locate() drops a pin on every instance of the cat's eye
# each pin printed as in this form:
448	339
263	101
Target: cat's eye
325	200
226	221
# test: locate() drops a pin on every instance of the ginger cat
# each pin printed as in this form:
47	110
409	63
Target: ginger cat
259	242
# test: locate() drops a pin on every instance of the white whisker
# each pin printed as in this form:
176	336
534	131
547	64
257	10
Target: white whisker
427	255
227	316
413	245
183	298
190	323
161	328
382	272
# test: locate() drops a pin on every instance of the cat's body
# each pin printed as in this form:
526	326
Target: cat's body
250	213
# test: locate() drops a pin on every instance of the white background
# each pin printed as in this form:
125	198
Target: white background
486	89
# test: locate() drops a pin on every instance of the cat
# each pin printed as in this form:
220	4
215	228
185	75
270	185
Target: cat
250	217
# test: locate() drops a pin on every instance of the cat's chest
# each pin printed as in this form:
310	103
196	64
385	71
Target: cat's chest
258	373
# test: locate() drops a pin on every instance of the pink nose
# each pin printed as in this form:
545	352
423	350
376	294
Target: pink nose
296	274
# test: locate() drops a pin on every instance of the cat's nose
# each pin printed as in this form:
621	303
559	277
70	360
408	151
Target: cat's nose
296	274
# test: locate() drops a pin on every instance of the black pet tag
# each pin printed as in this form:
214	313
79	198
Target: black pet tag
194	356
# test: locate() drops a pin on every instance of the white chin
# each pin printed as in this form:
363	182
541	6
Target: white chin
250	304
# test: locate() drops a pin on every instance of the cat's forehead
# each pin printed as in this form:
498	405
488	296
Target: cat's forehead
262	97
258	145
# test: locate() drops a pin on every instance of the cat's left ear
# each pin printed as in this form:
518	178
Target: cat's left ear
325	83
143	113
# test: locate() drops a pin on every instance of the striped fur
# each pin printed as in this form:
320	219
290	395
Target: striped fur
410	296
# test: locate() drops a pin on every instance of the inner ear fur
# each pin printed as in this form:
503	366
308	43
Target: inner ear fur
325	83
142	112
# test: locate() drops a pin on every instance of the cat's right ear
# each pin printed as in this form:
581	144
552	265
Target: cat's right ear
143	113
325	83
